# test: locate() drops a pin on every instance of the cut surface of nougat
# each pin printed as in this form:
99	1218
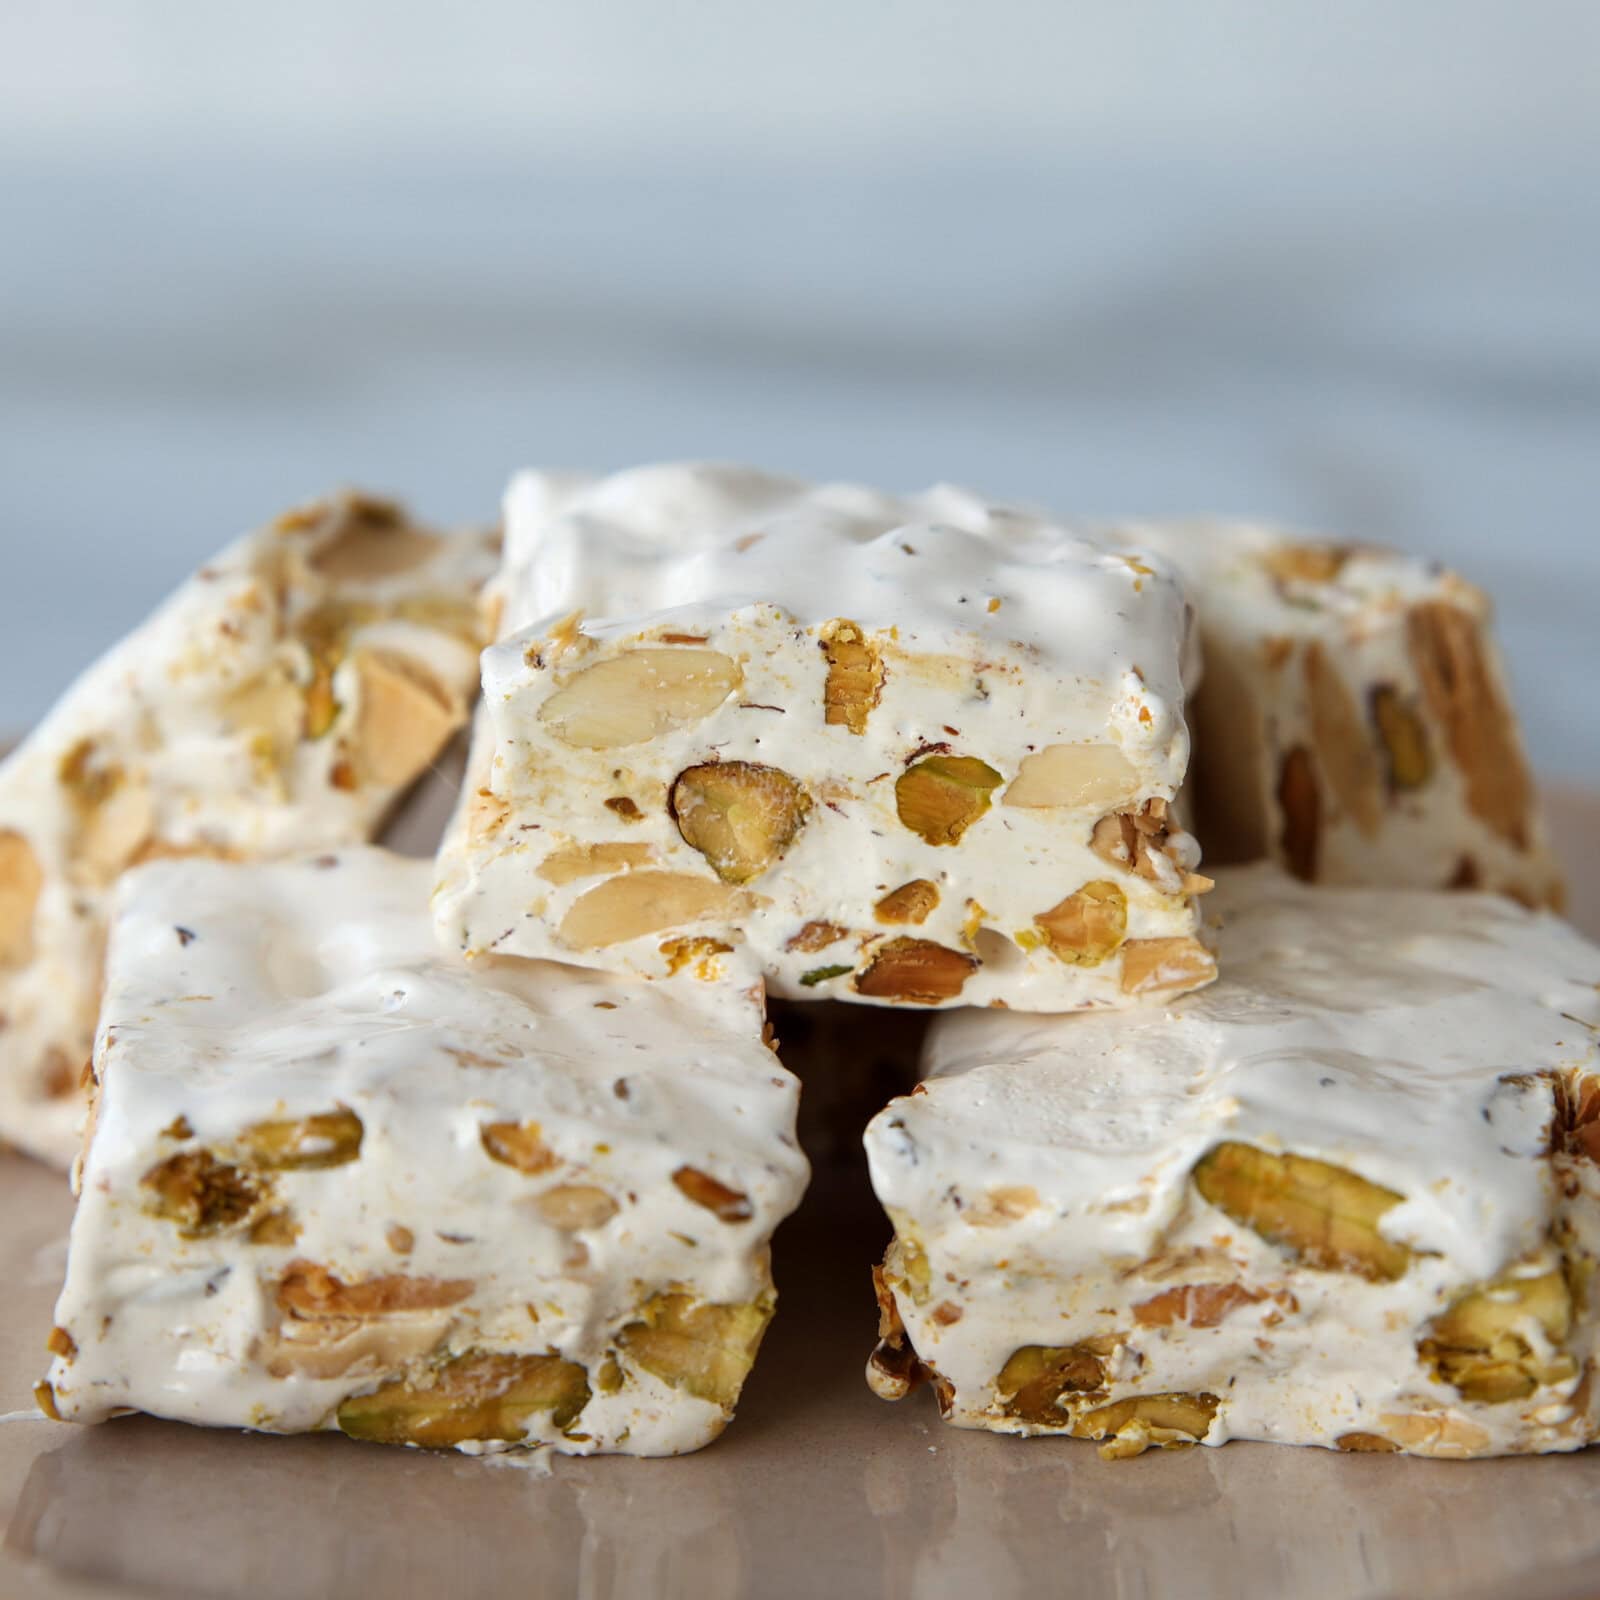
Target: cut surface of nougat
1354	723
280	700
902	751
1348	1196
336	1181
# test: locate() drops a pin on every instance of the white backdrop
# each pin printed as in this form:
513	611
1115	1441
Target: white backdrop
1145	257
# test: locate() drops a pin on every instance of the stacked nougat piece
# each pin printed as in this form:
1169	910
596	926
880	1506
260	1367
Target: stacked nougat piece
1348	1195
334	1178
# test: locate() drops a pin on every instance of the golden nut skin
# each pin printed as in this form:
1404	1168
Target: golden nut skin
940	797
1324	1215
739	815
705	1350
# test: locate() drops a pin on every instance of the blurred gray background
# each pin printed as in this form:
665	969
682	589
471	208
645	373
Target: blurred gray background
1331	264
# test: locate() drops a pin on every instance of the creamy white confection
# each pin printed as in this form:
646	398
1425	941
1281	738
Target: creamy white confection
281	700
337	1181
1348	1196
1354	723
902	750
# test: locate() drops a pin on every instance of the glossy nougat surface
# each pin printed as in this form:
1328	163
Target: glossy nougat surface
1348	1196
336	1181
280	700
894	750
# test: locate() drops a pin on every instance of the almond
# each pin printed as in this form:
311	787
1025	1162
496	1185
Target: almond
638	695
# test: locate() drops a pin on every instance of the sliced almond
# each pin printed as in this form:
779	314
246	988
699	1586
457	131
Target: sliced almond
1464	693
575	861
404	716
1157	966
1086	775
638	695
1344	750
21	880
642	902
306	1289
574	1207
364	548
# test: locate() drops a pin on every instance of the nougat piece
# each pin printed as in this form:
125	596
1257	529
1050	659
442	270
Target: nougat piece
336	1181
1355	723
1348	1196
901	751
281	700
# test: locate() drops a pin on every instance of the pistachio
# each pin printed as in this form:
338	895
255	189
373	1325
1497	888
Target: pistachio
480	1395
519	1145
1032	1383
304	1144
940	797
705	1350
1480	1344
1325	1216
1130	1427
201	1194
1408	756
739	815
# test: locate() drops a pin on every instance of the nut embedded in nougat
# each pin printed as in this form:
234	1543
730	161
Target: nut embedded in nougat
940	797
481	1395
1132	1426
1324	1215
201	1194
304	1144
21	879
1301	805
633	697
855	676
1408	758
727	1205
404	716
915	970
1480	1345
1087	926
1344	751
912	902
1031	1384
705	1350
1073	775
641	902
739	815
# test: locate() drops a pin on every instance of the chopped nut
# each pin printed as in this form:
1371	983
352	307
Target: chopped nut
1073	775
1480	1344
517	1144
1301	806
739	815
304	1144
1578	1115
1150	966
112	808
705	1350
1344	751
1446	648
915	970
727	1205
1306	563
701	953
363	547
625	808
1149	843
855	676
1369	1443
911	902
940	797
1130	1427
574	1207
480	1395
273	712
306	1289
1325	1216
1086	927
1438	1433
1032	1382
591	860
399	1239
1408	757
809	980
637	695
1001	1205
45	1398
21	879
201	1194
1198	1305
816	936
61	1343
642	902
404	715
275	1228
